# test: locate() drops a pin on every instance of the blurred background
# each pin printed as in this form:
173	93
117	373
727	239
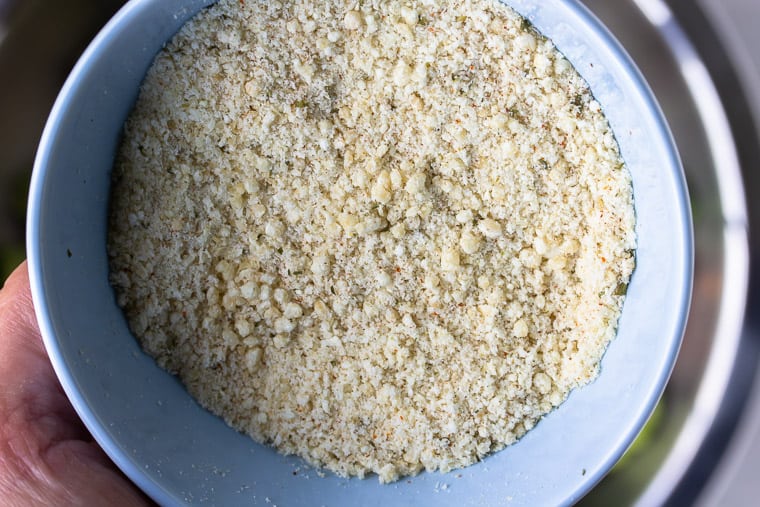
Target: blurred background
702	60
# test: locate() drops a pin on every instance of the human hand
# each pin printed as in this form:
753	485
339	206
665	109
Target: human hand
47	457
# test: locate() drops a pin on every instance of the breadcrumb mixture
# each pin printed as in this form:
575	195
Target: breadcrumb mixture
385	236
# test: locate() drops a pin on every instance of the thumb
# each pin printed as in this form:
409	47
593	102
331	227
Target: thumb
31	392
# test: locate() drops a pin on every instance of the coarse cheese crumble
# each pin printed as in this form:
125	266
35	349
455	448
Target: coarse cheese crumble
384	235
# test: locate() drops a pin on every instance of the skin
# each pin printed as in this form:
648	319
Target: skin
47	457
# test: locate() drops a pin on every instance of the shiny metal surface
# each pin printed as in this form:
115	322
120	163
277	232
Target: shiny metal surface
734	480
696	418
662	467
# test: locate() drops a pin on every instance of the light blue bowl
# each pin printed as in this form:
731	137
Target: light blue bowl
180	454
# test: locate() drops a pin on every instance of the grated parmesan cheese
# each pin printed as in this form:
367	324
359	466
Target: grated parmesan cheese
385	236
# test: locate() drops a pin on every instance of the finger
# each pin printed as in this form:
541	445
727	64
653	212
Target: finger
46	455
31	397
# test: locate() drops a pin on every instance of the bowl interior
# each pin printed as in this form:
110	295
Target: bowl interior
179	453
